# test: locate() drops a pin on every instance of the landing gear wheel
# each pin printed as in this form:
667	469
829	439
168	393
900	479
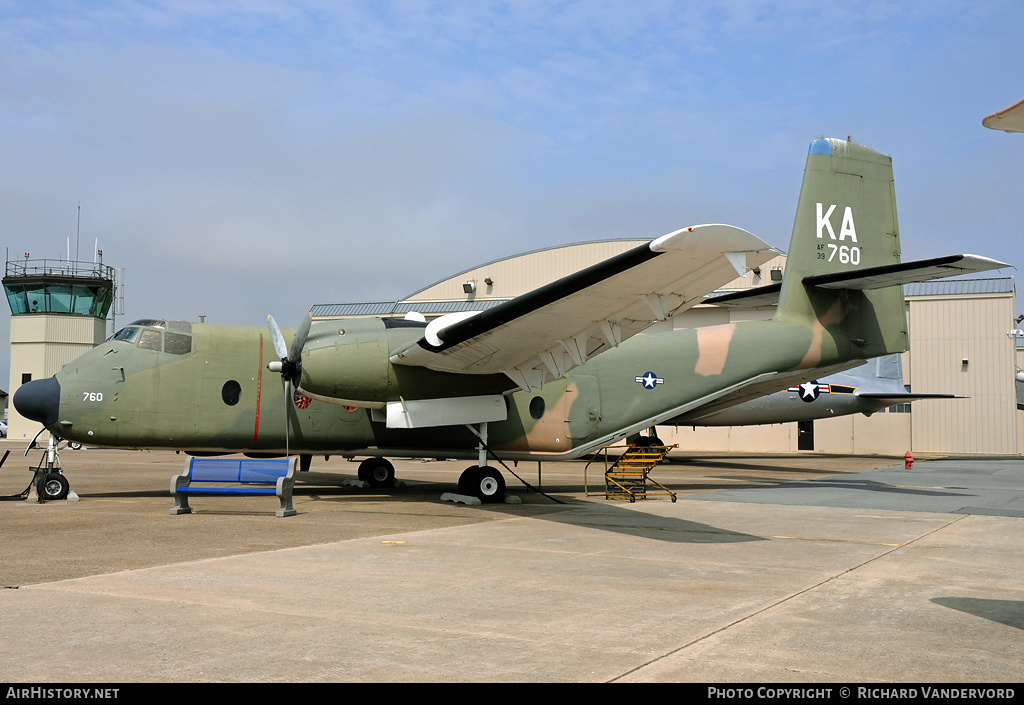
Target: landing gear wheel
377	471
74	445
53	486
484	483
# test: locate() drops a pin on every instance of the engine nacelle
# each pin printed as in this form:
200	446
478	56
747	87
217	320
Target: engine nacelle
346	362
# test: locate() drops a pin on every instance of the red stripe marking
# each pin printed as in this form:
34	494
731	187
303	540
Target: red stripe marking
259	387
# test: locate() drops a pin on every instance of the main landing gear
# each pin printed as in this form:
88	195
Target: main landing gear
477	481
377	472
481	480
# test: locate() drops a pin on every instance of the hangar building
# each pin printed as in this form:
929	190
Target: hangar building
962	339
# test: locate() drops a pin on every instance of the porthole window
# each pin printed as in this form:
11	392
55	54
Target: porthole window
231	392
537	407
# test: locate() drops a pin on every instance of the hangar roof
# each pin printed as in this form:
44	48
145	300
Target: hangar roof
955	286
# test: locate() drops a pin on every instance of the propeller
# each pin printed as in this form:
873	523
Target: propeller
290	365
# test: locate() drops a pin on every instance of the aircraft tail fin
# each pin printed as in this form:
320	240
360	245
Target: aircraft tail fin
843	273
845	224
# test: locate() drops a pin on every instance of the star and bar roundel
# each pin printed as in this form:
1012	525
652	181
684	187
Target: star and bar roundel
650	380
809	391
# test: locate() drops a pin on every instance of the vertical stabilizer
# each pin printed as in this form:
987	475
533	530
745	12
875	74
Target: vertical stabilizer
845	222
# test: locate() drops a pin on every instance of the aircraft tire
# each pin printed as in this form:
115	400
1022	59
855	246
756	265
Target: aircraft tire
467	479
53	486
484	483
378	472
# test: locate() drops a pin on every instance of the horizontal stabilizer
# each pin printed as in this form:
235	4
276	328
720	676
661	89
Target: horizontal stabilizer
863	279
904	272
758	297
897	398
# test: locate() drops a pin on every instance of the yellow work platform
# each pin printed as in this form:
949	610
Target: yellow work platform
628	477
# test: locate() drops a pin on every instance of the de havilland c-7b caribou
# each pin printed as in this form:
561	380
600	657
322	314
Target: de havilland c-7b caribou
553	374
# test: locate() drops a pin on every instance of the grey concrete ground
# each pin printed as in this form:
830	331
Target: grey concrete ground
783	568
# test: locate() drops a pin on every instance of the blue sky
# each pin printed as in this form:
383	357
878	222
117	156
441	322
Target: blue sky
246	158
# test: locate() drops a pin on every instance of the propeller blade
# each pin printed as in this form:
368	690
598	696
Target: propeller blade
275	335
299	341
288	366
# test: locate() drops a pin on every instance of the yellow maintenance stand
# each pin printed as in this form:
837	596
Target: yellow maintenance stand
628	476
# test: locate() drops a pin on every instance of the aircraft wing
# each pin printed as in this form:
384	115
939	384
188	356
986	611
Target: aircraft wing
546	332
1009	119
761	387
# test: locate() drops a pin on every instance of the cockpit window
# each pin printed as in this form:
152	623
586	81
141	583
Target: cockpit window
150	340
128	335
177	344
176	341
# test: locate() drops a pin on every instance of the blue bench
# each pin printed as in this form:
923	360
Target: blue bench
241	476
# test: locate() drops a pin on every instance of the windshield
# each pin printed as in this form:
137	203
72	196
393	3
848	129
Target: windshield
151	335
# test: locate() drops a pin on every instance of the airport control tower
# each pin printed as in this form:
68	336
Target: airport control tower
58	311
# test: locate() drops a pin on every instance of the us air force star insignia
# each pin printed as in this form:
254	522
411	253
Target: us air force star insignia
650	380
809	391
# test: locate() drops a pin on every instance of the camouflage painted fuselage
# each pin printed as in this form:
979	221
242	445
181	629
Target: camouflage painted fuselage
219	397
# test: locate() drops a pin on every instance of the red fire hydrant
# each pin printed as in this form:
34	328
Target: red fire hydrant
907	461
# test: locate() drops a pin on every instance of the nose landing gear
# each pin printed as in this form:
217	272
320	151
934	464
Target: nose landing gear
49	480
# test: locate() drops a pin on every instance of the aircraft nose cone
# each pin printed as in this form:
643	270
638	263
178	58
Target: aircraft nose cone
39	400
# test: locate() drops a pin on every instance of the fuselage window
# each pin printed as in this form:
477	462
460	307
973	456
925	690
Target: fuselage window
177	344
231	392
150	340
537	407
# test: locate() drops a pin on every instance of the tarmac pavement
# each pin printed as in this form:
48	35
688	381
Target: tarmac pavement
797	568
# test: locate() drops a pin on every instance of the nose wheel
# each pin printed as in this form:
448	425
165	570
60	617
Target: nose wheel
53	486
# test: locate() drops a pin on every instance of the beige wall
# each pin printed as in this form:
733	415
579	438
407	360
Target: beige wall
40	346
518	275
944	331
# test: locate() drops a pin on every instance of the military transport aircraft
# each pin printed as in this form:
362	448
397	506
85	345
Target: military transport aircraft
553	374
871	387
